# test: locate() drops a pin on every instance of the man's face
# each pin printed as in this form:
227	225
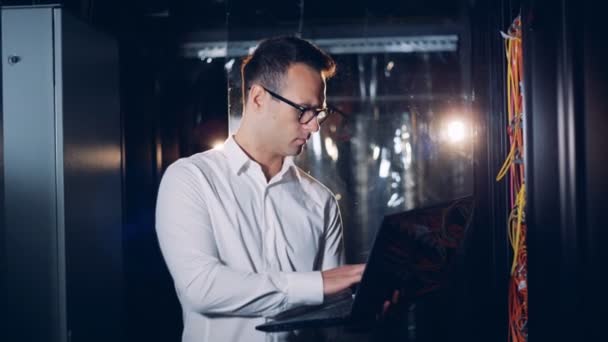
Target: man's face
304	86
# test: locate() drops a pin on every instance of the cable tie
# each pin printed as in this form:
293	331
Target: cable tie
507	36
522	285
521	269
516	120
517	154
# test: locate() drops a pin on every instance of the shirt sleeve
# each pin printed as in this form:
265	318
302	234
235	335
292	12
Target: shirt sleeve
202	281
333	252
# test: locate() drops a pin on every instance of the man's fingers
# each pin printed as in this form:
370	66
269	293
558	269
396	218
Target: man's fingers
385	307
358	269
353	279
353	274
339	278
395	298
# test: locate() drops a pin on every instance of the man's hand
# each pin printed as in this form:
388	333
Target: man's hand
387	305
340	278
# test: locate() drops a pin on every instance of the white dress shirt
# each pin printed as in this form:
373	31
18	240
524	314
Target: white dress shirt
240	248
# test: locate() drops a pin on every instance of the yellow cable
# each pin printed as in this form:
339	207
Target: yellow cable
514	114
505	166
509	160
520	204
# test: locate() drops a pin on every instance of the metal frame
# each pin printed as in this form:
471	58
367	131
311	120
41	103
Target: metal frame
565	169
401	44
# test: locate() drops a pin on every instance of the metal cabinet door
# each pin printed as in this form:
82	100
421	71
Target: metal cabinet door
30	191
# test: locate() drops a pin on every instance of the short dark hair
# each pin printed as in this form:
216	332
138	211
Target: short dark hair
271	59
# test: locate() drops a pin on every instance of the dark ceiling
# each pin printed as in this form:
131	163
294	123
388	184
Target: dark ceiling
183	16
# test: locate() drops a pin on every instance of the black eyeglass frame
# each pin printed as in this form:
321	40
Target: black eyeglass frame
302	109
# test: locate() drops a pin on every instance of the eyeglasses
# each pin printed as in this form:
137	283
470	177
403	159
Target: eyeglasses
306	113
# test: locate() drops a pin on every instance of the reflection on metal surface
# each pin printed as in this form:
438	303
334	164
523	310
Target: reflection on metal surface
376	152
88	157
389	67
330	147
385	164
407	156
229	64
335	46
395	200
316	145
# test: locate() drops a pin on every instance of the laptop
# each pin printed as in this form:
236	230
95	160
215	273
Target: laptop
413	252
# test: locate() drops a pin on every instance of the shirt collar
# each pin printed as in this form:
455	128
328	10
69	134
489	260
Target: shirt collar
289	164
238	159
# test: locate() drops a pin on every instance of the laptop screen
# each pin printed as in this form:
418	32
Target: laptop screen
414	252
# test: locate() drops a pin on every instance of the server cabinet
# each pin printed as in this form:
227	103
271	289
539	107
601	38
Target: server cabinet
61	177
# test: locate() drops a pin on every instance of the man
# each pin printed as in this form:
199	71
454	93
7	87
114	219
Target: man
245	233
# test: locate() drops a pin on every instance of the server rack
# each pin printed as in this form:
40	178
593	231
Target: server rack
61	176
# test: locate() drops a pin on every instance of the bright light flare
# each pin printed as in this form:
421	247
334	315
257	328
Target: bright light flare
456	131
